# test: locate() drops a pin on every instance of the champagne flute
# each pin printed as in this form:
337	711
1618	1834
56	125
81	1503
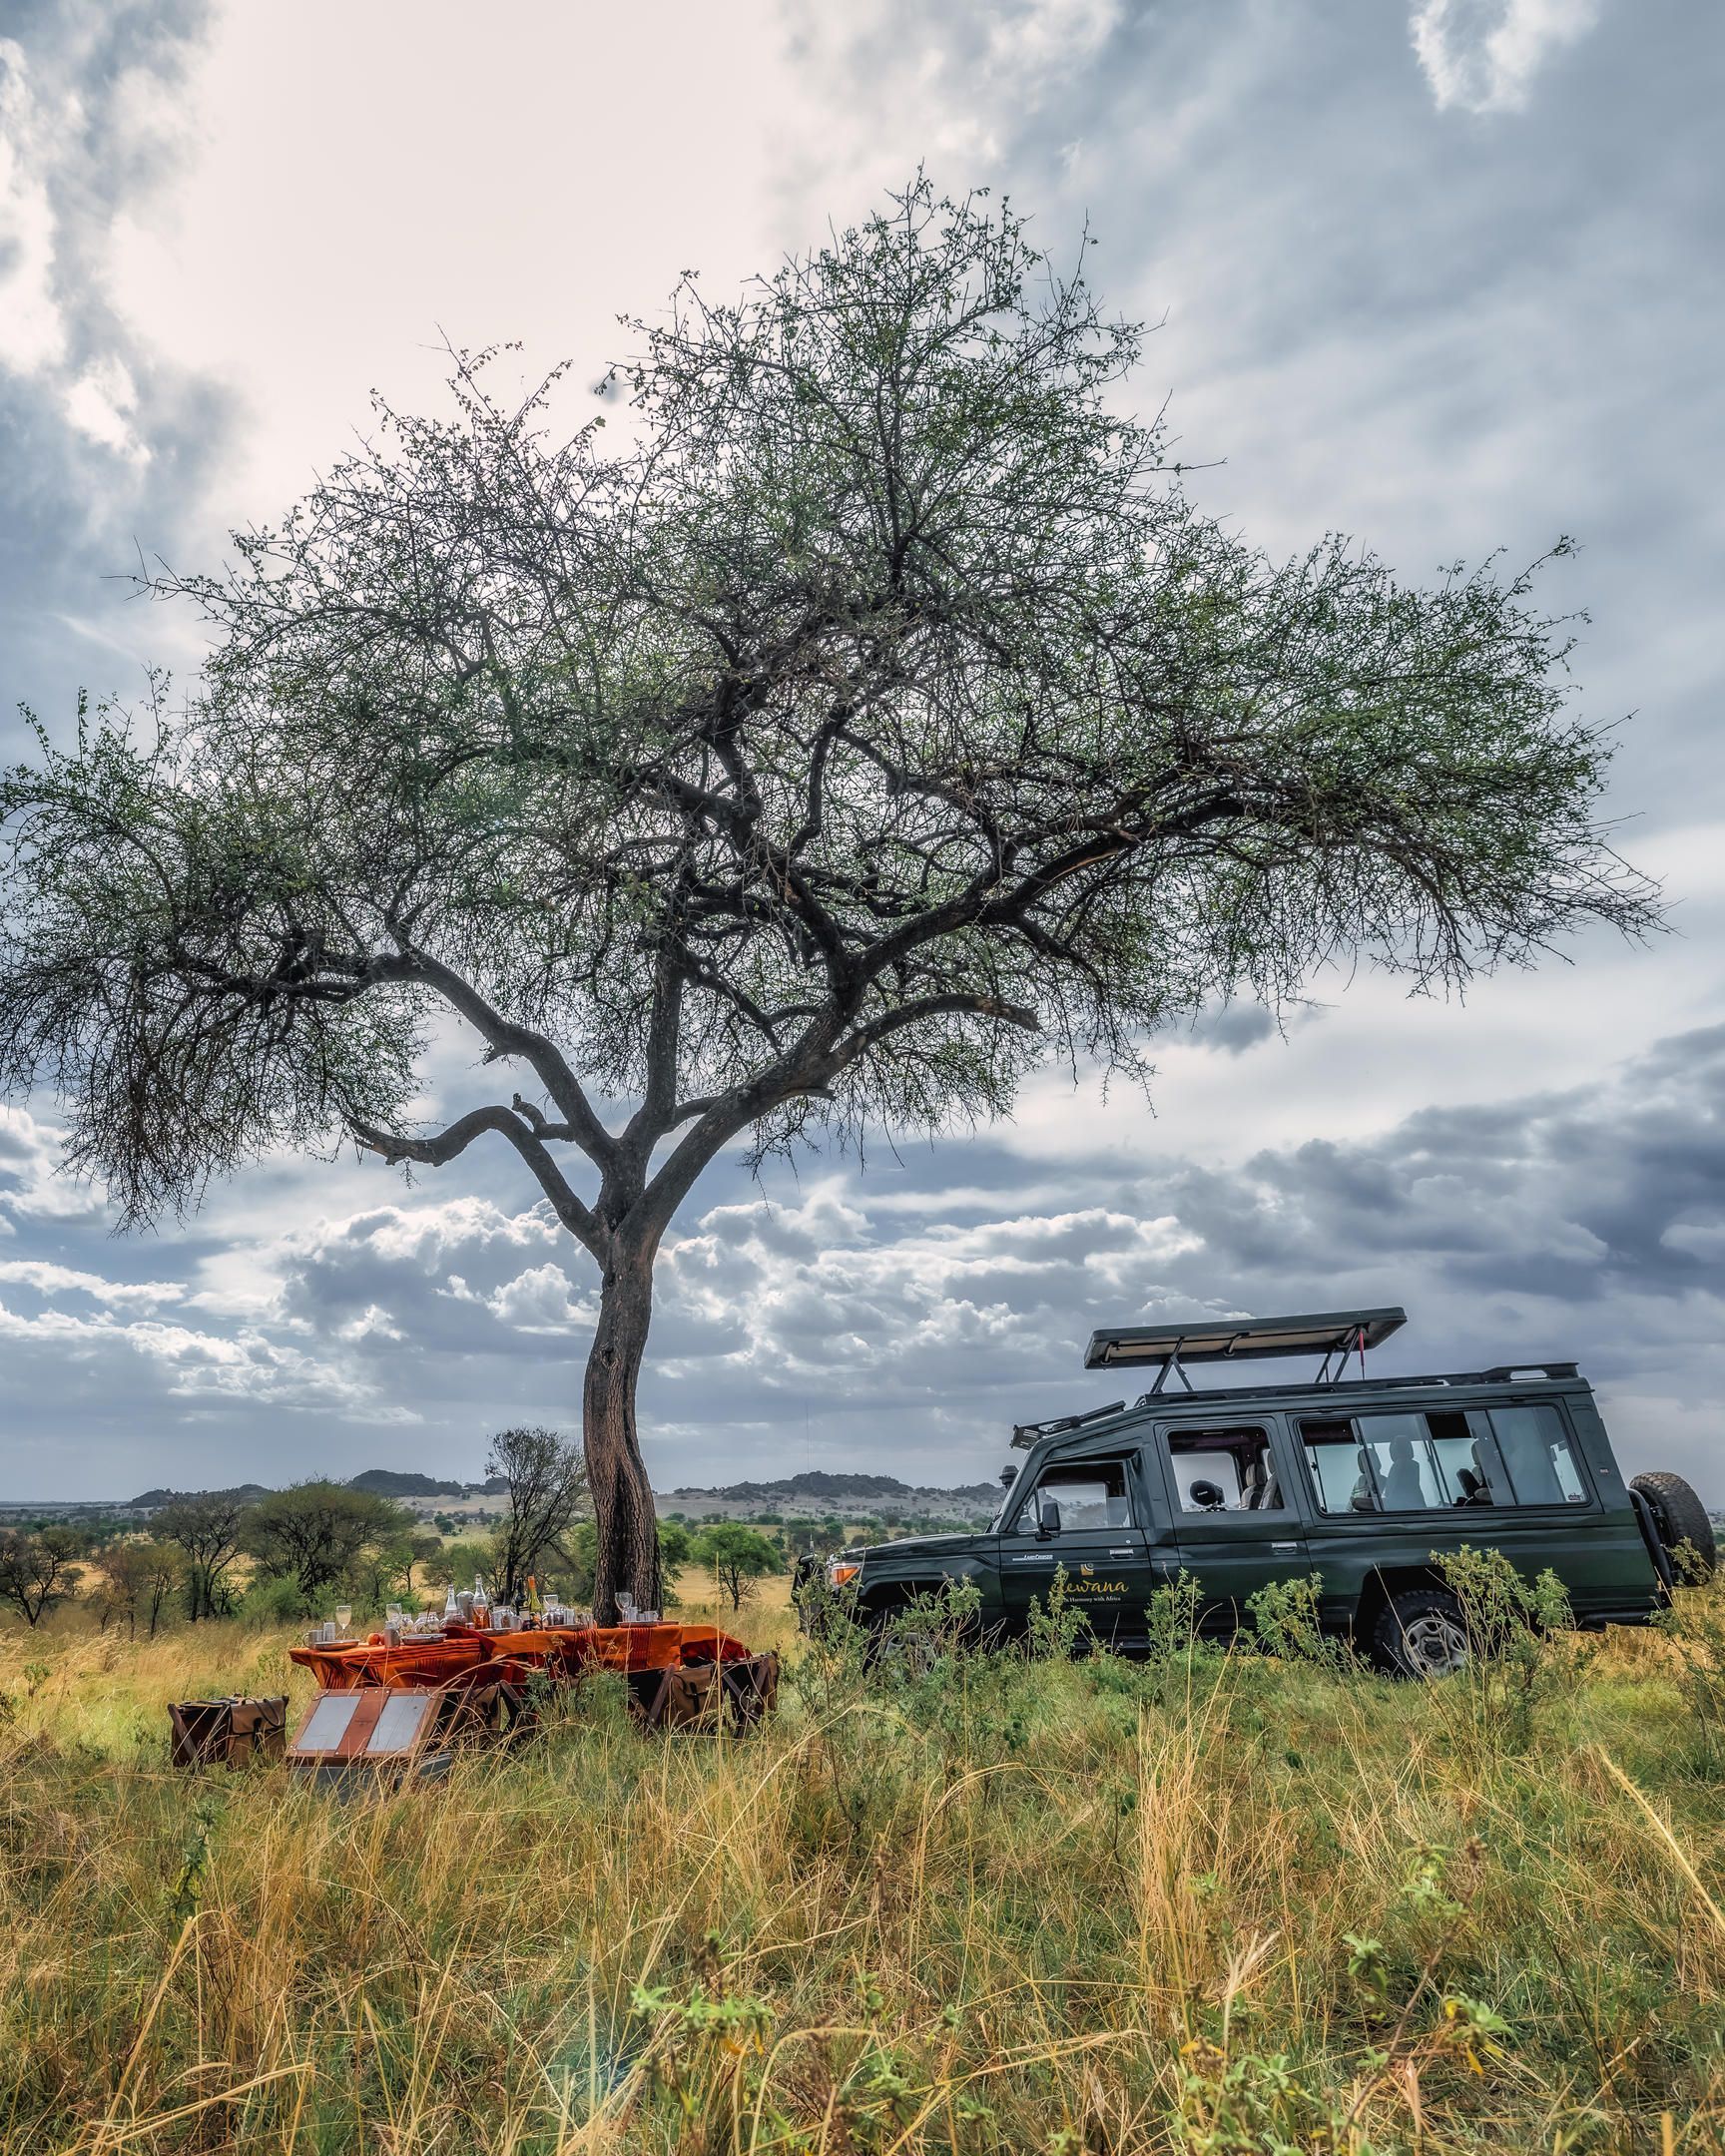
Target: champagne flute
344	1617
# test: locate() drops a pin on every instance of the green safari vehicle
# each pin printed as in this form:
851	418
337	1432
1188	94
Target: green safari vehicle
1356	1479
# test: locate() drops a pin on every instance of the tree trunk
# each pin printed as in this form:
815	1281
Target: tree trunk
627	1530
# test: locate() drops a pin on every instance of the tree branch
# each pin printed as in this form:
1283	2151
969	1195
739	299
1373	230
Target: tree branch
504	1038
396	1147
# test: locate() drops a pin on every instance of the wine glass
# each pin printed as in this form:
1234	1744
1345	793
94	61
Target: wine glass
344	1617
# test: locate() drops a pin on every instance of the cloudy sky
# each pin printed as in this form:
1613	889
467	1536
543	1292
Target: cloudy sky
1443	274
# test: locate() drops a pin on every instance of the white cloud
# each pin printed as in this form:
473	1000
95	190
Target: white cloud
1483	55
100	404
55	1279
200	1369
31	1188
1043	36
100	398
539	1301
32	331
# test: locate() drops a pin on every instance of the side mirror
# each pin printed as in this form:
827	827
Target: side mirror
1048	1523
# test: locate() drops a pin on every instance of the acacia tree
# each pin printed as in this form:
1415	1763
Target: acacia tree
137	1577
879	717
547	1480
39	1572
205	1526
313	1533
736	1556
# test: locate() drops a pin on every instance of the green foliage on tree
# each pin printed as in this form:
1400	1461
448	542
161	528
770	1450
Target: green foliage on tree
676	1544
206	1530
135	1581
736	1556
314	1533
547	1491
880	719
39	1571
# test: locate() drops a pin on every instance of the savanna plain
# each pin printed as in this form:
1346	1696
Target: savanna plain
1220	1902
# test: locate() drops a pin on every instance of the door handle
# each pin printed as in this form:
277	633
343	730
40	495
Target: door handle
1120	1553
1286	1549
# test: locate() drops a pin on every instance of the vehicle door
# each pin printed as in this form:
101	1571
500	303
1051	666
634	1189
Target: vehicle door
1237	1526
1088	1517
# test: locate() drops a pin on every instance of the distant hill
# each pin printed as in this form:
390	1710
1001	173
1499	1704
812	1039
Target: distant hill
389	1482
153	1499
811	1495
375	1482
817	1483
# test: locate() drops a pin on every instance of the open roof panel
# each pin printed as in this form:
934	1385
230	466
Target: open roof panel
1240	1339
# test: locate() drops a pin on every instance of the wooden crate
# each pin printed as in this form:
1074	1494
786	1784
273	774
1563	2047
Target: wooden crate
392	1731
707	1695
375	1730
231	1731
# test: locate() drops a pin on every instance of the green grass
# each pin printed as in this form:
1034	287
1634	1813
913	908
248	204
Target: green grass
1216	1903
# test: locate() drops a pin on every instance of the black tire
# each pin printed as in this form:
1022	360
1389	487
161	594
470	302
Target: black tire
900	1650
1680	1517
1422	1632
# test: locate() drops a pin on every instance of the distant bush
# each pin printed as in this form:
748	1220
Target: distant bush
272	1601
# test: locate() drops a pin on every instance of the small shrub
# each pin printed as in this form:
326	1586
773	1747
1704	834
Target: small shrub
270	1602
1172	1619
1695	1625
930	1628
1061	1629
1517	1658
1285	1619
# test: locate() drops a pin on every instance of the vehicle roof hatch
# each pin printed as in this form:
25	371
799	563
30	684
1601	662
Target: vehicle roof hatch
1333	1334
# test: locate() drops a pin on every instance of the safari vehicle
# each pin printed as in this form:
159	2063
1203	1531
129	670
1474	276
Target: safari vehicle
1361	1481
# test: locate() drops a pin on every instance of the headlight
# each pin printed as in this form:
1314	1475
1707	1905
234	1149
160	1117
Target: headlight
840	1571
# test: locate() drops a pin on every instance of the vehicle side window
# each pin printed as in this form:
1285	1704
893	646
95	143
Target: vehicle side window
1340	1472
1225	1470
1403	1472
1536	1447
1090	1494
1469	1468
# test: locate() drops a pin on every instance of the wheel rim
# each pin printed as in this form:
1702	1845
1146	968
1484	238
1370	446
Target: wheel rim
1435	1643
912	1653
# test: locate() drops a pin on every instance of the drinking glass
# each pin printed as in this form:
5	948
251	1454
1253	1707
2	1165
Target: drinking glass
344	1617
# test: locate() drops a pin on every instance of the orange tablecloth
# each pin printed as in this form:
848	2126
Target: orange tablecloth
563	1652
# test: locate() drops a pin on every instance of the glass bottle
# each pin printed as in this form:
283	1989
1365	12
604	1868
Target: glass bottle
481	1605
452	1608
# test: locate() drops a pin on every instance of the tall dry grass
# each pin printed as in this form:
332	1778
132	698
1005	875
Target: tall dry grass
1212	1903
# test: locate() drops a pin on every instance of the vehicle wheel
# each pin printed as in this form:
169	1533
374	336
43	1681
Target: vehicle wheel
1422	1633
900	1650
1680	1517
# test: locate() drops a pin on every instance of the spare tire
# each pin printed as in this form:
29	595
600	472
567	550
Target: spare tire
1680	1517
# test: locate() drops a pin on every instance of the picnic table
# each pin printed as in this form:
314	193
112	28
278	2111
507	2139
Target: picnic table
463	1655
383	1707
